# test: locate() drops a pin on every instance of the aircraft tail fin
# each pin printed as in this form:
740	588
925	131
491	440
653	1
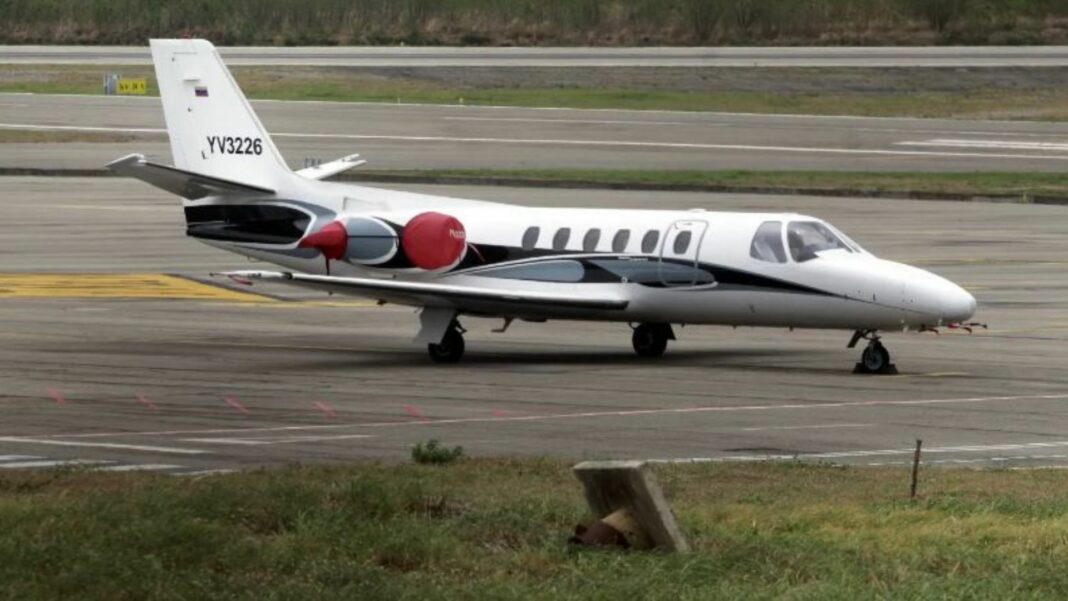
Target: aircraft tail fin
212	127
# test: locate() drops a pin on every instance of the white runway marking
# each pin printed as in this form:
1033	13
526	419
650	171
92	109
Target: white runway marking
17	457
212	472
991	144
580	415
270	441
815	427
101	445
968	461
583	121
143	467
590	143
50	463
867	453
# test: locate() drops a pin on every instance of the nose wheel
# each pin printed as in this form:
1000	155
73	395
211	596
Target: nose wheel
451	347
875	359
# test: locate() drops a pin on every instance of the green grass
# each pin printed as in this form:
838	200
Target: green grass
282	83
956	184
497	529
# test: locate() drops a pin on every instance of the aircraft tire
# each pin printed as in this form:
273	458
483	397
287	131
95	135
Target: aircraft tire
875	359
449	350
650	340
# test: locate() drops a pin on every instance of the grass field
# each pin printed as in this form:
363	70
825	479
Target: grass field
1038	96
544	22
497	529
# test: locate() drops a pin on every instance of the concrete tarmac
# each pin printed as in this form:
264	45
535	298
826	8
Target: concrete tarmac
393	56
183	380
435	136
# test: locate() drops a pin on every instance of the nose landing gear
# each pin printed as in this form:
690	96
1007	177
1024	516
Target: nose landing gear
875	359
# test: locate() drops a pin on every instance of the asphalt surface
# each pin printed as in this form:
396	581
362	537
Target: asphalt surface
433	136
937	56
178	384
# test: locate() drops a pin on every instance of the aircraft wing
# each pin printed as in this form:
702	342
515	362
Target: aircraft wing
176	181
429	293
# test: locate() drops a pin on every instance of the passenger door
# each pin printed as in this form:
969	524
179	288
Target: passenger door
680	253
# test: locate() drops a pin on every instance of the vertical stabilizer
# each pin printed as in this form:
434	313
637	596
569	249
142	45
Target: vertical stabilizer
212	127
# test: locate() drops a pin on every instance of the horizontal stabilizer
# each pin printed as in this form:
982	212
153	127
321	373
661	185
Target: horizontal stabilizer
332	168
429	293
183	183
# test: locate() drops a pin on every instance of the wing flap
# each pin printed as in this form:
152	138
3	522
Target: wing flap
182	183
429	293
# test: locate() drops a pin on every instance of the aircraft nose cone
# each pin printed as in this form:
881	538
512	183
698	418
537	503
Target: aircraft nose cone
958	305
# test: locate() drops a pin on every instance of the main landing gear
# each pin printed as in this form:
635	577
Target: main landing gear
875	359
451	347
650	339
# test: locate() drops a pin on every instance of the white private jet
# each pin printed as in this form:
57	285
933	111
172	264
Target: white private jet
452	257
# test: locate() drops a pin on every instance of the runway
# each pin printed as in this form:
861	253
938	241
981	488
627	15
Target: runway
134	369
392	56
437	137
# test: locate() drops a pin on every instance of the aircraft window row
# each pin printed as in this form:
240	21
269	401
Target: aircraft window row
593	237
767	243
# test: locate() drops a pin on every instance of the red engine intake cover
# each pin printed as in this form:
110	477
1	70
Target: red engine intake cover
332	241
432	240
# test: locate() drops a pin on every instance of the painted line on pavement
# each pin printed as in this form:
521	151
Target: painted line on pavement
814	427
51	463
814	406
143	467
991	144
590	143
864	453
101	445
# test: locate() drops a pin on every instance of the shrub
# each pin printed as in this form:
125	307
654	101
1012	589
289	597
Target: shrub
433	452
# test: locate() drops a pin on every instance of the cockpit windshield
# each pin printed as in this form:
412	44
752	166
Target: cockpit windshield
808	238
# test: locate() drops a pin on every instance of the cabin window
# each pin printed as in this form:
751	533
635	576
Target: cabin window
649	241
808	238
561	238
530	237
620	240
767	243
682	242
590	240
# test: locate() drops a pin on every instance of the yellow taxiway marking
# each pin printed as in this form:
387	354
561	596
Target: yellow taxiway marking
118	286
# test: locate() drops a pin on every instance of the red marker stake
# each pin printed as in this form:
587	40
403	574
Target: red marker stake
147	402
325	409
231	401
57	396
417	414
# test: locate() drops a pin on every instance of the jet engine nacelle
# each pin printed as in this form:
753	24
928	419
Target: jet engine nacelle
428	242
